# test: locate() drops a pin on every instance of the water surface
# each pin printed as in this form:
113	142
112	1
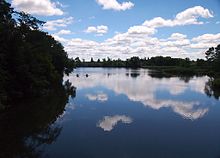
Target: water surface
125	113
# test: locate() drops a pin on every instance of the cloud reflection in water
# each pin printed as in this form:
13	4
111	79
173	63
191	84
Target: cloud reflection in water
143	89
109	122
100	96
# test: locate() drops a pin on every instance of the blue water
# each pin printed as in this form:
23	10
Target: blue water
124	113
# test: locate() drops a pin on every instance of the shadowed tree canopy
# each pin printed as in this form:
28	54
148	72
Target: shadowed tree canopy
213	54
32	63
213	57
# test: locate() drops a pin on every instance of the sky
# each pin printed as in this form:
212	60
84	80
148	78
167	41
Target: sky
123	28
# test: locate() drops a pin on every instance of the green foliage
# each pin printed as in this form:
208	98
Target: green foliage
136	62
32	63
133	62
213	57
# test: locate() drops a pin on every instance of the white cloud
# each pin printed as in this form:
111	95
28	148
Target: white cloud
205	41
100	96
171	49
60	39
122	84
202	46
178	36
141	30
187	17
194	12
98	30
217	22
207	38
125	45
140	40
37	7
64	32
108	122
115	5
54	24
176	43
61	5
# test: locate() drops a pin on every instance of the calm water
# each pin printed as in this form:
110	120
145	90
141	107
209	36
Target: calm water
123	113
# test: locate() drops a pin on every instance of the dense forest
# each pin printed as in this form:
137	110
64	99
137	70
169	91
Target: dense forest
32	63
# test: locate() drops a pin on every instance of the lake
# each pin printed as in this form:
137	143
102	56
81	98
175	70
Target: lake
120	113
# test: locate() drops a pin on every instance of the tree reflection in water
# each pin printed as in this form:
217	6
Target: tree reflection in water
211	89
24	129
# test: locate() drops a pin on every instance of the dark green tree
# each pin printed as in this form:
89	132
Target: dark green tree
32	63
213	57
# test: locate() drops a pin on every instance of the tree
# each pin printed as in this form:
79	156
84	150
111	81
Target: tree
32	63
77	61
210	54
213	57
6	26
133	62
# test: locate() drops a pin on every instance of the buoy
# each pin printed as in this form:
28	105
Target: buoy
77	75
87	75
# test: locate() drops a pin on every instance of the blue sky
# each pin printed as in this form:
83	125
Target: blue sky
121	28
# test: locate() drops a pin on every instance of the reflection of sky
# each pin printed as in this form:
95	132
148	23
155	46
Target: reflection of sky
99	96
143	88
108	122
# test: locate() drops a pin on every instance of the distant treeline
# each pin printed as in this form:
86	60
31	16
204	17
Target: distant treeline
167	65
136	62
212	61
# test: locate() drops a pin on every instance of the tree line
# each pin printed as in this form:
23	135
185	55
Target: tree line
211	64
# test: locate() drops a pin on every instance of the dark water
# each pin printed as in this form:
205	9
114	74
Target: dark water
118	113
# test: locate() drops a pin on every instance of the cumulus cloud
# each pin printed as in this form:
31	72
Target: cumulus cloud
64	32
126	45
141	30
202	46
54	24
187	17
178	36
205	41
37	7
115	5
58	35
207	38
60	39
100	96
122	84
98	30
140	40
109	122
